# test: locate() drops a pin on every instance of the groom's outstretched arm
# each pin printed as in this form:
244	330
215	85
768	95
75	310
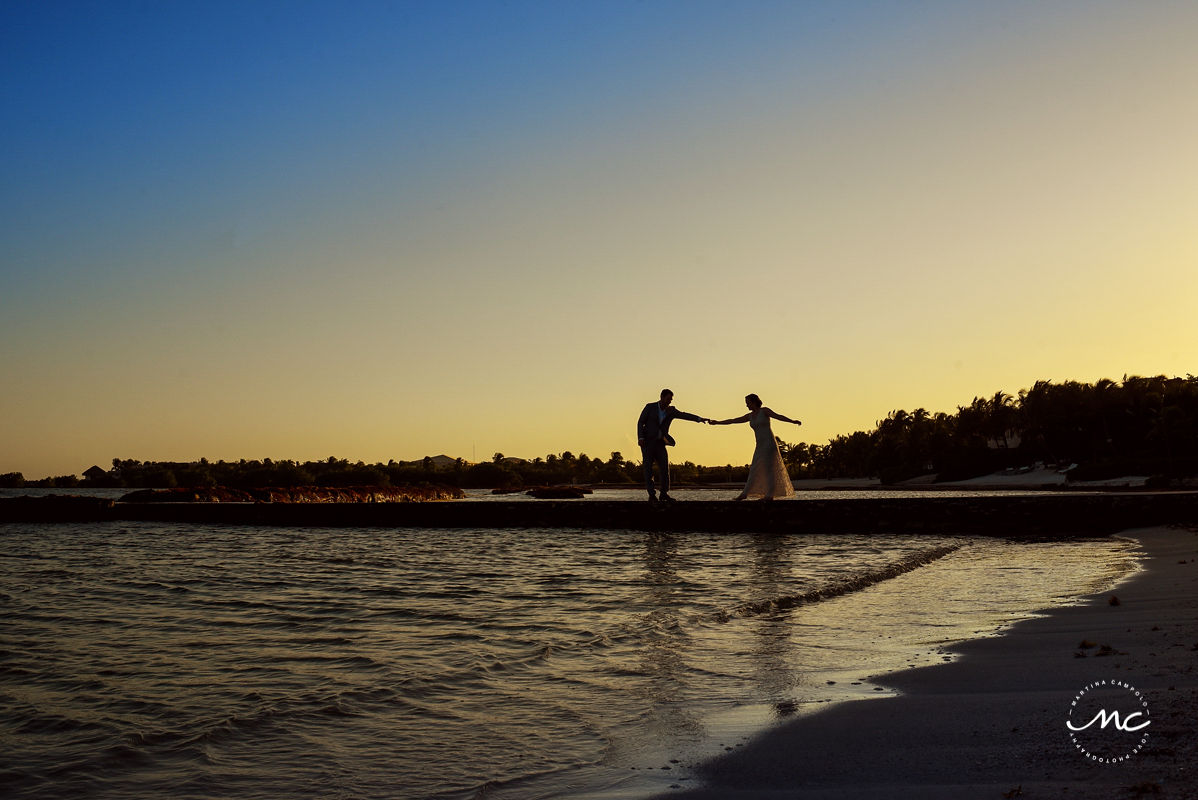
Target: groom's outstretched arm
690	417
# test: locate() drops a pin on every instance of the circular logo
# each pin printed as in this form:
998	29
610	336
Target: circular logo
1108	721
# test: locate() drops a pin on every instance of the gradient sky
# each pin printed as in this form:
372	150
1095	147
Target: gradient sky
389	230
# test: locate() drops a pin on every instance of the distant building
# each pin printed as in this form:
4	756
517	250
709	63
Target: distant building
1010	441
95	474
435	462
443	462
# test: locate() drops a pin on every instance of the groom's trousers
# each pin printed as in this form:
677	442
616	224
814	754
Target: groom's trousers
656	453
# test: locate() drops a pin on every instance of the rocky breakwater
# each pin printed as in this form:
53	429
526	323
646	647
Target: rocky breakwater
309	505
298	494
558	492
548	492
321	506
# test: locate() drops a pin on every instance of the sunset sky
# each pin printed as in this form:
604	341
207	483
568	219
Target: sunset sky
389	230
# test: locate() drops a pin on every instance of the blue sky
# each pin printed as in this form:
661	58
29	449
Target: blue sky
392	229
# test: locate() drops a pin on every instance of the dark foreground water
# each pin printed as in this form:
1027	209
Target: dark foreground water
151	660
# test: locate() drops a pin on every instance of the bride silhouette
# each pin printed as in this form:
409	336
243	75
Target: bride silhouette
767	473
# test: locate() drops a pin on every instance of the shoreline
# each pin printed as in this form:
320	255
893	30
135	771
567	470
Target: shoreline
992	722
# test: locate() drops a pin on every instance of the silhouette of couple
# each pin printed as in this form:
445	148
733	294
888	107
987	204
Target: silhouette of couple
767	474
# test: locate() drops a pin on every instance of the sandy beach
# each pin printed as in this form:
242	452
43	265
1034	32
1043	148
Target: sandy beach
992	724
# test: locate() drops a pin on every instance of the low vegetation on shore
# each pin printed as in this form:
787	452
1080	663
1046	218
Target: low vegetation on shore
1139	426
419	493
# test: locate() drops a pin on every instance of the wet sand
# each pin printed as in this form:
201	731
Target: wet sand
992	723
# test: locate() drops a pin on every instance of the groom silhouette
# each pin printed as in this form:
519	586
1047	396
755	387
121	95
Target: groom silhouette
653	435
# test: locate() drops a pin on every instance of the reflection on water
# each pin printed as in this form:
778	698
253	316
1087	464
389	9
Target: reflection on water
772	650
145	660
664	649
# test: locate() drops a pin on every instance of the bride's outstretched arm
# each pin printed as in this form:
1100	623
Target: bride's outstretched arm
782	418
745	418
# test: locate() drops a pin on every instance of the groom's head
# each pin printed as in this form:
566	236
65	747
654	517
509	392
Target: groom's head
667	397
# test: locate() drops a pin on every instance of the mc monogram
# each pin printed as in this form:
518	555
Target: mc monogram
1106	721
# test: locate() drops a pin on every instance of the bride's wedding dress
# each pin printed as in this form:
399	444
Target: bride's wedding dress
767	473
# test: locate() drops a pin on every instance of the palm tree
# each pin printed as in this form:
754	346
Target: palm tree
1001	416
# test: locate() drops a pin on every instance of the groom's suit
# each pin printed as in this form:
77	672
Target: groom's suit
653	431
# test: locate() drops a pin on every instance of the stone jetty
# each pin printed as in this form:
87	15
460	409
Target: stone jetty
1024	515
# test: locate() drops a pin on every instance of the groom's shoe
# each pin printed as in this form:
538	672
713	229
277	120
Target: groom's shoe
665	498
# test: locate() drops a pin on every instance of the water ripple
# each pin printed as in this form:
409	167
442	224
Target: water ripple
149	660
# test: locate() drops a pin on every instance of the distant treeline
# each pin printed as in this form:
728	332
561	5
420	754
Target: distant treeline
1140	426
499	472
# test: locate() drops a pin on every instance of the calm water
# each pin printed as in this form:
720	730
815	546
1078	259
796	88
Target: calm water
151	660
